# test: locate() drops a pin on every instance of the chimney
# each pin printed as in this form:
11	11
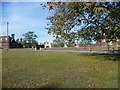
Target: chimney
13	36
21	40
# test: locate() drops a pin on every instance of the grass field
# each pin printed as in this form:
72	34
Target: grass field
58	70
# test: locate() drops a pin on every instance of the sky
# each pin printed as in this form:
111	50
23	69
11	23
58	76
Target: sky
24	17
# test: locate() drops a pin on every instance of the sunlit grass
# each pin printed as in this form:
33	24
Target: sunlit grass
59	70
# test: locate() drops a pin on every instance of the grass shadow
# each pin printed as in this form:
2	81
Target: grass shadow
104	57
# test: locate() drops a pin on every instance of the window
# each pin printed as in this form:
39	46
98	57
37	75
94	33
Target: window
6	39
118	40
103	40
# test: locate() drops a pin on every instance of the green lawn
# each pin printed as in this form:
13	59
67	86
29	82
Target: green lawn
58	70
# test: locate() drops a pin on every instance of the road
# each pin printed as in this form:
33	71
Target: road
70	51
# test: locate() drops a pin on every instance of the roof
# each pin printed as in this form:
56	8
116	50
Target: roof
4	36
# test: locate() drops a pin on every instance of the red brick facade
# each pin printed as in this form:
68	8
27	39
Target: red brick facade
9	42
103	43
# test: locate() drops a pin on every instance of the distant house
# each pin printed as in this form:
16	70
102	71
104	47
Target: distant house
7	41
43	45
47	44
103	43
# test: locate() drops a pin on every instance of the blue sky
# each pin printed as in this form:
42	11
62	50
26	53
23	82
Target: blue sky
24	17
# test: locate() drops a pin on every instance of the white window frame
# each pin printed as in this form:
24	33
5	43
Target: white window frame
6	38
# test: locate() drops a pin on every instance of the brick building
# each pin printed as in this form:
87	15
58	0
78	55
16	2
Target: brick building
103	43
7	41
47	44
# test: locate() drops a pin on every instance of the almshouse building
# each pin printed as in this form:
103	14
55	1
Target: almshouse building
9	42
103	43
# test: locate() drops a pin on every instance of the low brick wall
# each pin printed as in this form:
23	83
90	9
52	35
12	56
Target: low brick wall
84	48
69	48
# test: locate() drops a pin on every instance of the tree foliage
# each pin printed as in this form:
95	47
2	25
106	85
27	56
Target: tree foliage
58	42
29	39
97	20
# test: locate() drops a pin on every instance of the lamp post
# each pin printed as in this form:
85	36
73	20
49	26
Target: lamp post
7	37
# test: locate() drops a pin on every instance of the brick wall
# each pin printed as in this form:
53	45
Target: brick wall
9	42
4	43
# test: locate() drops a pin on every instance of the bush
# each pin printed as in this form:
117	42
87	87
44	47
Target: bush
1	48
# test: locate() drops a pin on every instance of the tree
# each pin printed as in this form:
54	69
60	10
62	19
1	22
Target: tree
58	42
29	39
24	43
99	19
